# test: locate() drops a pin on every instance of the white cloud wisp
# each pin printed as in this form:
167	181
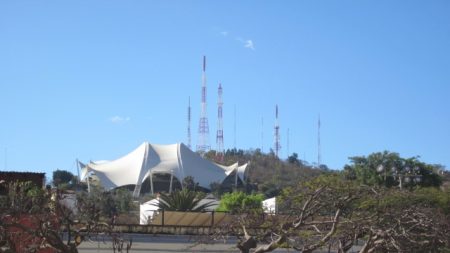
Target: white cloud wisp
118	119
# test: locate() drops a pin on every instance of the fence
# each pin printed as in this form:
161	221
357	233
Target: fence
191	219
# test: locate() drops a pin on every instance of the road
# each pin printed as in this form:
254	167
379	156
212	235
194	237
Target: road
162	243
170	243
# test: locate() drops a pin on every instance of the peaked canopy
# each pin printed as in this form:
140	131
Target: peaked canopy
148	159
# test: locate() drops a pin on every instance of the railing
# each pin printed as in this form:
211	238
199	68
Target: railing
189	219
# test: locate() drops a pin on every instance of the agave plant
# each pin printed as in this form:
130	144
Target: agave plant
183	200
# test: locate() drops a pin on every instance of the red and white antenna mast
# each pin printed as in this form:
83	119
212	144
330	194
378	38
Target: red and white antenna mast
277	144
203	127
219	136
189	125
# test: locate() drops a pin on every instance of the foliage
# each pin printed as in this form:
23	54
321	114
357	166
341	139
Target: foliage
31	219
216	189
189	183
103	205
267	174
333	212
293	159
63	179
184	200
393	170
238	202
123	199
405	221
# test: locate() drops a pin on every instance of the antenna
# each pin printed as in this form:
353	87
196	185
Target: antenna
219	135
319	156
277	145
287	142
189	125
6	159
203	128
234	141
262	135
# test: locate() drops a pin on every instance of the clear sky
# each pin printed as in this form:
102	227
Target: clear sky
94	79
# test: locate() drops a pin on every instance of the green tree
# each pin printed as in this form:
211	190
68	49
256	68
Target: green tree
63	178
293	159
123	199
389	169
237	202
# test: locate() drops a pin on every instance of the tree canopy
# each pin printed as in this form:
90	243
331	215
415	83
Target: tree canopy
389	169
331	212
63	178
237	202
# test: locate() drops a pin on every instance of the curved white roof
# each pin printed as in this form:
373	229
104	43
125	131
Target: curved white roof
147	159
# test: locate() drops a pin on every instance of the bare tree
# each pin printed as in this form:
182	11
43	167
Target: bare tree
36	220
334	214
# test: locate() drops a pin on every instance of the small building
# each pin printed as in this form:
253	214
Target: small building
6	177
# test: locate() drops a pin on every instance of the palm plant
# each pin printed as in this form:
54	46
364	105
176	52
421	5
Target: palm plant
183	200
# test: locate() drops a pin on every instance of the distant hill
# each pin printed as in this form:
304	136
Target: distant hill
267	173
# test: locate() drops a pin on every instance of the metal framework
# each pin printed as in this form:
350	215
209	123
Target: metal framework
189	125
203	127
219	135
277	144
319	155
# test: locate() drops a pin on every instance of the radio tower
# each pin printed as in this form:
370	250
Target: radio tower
219	136
189	125
319	156
277	144
287	143
262	134
203	127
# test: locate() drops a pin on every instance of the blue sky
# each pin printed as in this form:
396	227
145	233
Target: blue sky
94	79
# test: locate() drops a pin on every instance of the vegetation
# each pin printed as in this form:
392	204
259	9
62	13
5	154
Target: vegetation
370	201
63	179
190	184
390	203
331	212
105	205
184	201
389	169
239	202
267	174
32	220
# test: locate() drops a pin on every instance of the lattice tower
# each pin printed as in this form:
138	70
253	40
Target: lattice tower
277	144
203	127
219	135
319	155
189	125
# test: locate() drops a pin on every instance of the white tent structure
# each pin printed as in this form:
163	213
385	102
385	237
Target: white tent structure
177	160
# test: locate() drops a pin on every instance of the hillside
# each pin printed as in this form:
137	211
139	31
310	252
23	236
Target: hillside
267	173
